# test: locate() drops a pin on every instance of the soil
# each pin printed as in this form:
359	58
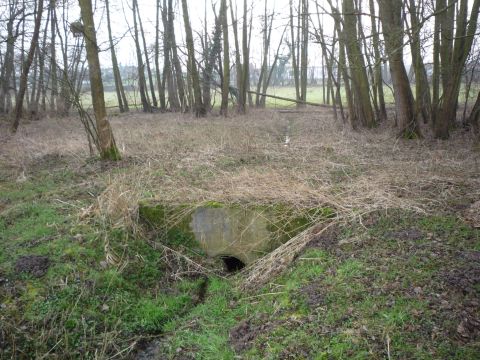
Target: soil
408	234
466	277
34	265
243	335
327	240
314	293
472	214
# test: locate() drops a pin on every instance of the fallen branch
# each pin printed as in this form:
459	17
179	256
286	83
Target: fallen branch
288	99
273	264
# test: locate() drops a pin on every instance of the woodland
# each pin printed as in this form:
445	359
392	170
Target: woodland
238	179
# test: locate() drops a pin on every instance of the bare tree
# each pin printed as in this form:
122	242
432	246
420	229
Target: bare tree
453	62
142	84
26	67
226	59
391	16
121	98
108	147
192	65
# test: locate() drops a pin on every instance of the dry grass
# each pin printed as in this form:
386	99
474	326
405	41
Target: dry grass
244	159
177	158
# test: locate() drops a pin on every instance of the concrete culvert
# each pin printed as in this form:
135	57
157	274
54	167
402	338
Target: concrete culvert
232	264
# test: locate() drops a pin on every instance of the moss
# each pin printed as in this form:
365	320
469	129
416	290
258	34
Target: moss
171	222
111	154
213	204
286	223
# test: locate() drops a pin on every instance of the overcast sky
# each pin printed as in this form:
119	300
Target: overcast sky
122	21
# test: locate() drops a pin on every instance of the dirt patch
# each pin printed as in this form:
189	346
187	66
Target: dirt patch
34	265
327	240
294	351
408	234
466	277
472	214
314	293
244	334
469	326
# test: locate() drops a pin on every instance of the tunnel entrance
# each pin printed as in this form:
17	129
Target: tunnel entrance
232	264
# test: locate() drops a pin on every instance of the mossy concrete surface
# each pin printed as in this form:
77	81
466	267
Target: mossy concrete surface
245	232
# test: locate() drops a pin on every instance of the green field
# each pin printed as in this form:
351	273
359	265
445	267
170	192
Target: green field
314	94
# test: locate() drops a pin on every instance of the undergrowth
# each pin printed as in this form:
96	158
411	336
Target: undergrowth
399	283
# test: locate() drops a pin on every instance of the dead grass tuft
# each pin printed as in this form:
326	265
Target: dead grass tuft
180	159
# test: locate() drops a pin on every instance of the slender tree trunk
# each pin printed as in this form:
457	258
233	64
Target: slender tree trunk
197	89
266	83
109	150
160	81
26	68
296	76
238	63
436	67
304	51
167	63
41	65
121	98
391	16
246	57
356	61
53	59
141	73
175	58
226	59
423	101
8	69
267	32
378	84
147	60
213	52
474	119
465	32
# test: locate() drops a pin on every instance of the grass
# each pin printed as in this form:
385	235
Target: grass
350	305
81	302
397	276
314	94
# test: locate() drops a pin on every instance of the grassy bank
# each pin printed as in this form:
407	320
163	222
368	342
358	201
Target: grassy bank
396	276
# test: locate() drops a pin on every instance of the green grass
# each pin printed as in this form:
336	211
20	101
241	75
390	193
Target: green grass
314	94
79	303
360	300
366	301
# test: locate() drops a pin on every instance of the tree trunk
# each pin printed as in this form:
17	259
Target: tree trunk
296	77
147	60
160	81
391	17
463	43
108	147
378	84
26	68
226	59
53	59
304	51
474	119
246	57
197	90
141	73
175	59
167	64
361	92
423	103
238	63
121	98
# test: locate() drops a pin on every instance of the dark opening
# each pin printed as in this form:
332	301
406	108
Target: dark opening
232	264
